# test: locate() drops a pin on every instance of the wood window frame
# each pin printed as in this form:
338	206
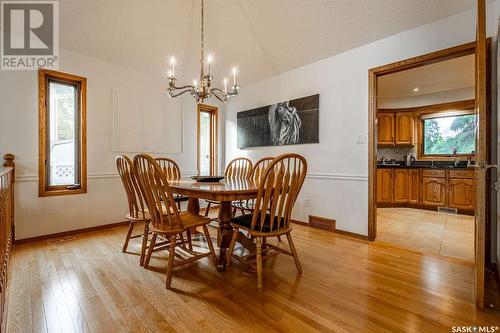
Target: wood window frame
44	189
420	131
213	137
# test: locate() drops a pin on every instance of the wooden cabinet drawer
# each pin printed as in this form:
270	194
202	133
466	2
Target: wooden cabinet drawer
434	173
467	174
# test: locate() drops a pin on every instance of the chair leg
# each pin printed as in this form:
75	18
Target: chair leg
259	263
210	244
144	243
208	209
150	250
234	211
179	205
279	238
294	252
190	242
127	238
230	250
171	255
242	211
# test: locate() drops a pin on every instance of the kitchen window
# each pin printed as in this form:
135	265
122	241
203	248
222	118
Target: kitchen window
62	146
449	134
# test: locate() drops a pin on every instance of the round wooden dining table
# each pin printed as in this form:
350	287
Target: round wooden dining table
225	191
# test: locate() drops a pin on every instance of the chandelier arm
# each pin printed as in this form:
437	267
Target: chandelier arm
215	92
171	93
223	100
172	86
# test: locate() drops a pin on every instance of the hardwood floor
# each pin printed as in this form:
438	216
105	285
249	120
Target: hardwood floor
86	284
428	232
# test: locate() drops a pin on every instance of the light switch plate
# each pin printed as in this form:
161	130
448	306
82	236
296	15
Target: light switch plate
360	139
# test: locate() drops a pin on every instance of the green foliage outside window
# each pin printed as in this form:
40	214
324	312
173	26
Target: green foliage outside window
442	135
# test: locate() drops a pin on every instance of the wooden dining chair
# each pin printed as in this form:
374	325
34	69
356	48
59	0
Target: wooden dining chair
238	168
256	174
173	172
166	220
137	208
278	190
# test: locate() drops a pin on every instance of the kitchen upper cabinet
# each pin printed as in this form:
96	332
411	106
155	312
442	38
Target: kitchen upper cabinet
386	128
404	128
434	191
395	128
385	188
401	189
414	184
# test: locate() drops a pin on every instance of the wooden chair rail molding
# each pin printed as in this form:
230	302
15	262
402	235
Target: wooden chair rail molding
6	229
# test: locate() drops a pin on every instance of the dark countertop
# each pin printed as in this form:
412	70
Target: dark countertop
440	165
382	166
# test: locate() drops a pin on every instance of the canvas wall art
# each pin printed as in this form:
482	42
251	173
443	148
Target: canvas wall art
287	123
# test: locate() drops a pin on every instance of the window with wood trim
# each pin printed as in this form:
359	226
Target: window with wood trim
449	134
62	133
207	140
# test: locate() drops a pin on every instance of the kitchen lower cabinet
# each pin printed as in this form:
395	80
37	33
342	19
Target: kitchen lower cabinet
461	193
426	187
401	188
385	186
414	185
434	191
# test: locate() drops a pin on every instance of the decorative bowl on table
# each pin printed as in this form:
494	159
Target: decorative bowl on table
207	179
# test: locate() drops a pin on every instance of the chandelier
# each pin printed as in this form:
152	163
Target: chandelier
201	89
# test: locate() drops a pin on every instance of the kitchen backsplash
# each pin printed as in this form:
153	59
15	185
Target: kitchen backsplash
396	153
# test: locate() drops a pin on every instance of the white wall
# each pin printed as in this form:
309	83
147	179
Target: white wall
337	185
105	201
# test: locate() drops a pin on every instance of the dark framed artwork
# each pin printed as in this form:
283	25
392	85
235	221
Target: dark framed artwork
287	123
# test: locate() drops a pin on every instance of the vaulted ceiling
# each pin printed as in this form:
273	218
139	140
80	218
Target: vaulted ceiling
261	37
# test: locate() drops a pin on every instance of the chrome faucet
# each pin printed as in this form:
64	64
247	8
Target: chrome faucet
456	159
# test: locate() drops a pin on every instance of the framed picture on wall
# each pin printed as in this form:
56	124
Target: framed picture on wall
290	122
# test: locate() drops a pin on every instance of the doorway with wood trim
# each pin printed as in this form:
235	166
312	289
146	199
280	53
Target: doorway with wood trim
207	140
433	178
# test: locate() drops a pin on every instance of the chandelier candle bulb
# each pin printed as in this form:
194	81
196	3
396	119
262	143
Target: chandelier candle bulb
225	85
234	77
209	62
172	62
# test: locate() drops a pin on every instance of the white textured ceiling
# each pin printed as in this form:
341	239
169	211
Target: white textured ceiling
261	37
447	75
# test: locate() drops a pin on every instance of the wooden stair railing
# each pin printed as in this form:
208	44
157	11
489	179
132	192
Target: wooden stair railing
7	177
